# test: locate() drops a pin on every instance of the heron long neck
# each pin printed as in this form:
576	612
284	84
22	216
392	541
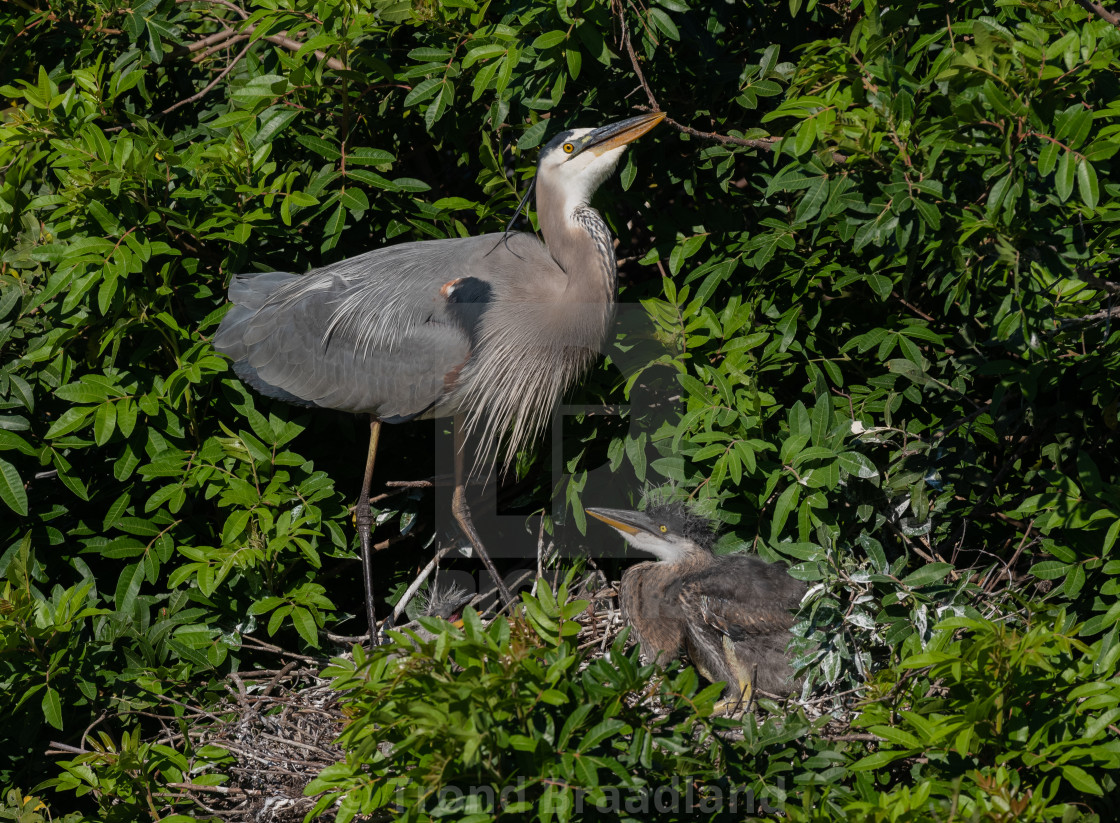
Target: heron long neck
579	240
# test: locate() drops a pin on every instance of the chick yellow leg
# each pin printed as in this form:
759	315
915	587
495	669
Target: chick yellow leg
743	695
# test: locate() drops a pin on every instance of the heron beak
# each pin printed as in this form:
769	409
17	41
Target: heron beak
627	522
619	134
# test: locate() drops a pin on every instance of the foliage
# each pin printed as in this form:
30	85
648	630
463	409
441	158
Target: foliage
125	779
876	281
1009	724
21	808
512	718
993	721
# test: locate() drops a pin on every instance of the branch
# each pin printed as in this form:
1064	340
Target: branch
209	86
280	39
764	143
1101	12
1086	274
224	44
1089	319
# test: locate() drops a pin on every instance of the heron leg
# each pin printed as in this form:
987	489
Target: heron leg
462	514
738	694
363	516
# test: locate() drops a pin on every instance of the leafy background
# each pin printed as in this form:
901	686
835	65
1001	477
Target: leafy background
875	246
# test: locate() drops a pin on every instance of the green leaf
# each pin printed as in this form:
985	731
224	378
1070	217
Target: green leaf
533	135
11	488
575	62
305	625
128	586
70	420
1081	780
83	392
104	423
355	200
1047	158
787	502
931	573
549	39
483	52
877	760
52	707
1063	181
320	146
857	464
370	157
1087	185
600	732
428	55
662	21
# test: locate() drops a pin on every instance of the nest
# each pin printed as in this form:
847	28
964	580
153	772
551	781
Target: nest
280	726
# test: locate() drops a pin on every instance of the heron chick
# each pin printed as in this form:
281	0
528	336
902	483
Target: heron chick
490	330
731	613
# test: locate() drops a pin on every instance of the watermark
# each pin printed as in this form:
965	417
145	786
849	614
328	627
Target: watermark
682	796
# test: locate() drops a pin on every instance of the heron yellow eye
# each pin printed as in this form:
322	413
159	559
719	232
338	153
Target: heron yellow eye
569	148
663	529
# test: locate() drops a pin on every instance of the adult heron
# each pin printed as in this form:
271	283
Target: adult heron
731	614
491	330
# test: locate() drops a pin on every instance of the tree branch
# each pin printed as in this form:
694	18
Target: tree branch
1101	12
282	39
1089	319
209	86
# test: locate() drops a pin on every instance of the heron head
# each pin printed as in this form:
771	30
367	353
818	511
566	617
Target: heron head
669	532
577	161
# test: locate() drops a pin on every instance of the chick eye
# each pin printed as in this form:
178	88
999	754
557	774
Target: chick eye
569	148
663	529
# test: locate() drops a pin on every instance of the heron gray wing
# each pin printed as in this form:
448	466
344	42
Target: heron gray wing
741	596
387	332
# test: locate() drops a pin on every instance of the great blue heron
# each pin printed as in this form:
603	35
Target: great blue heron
731	613
490	329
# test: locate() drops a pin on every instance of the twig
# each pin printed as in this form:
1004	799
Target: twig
1101	12
1095	317
206	42
410	484
280	675
765	143
345	638
912	307
55	747
282	39
209	86
912	544
1010	565
224	44
229	790
260	644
